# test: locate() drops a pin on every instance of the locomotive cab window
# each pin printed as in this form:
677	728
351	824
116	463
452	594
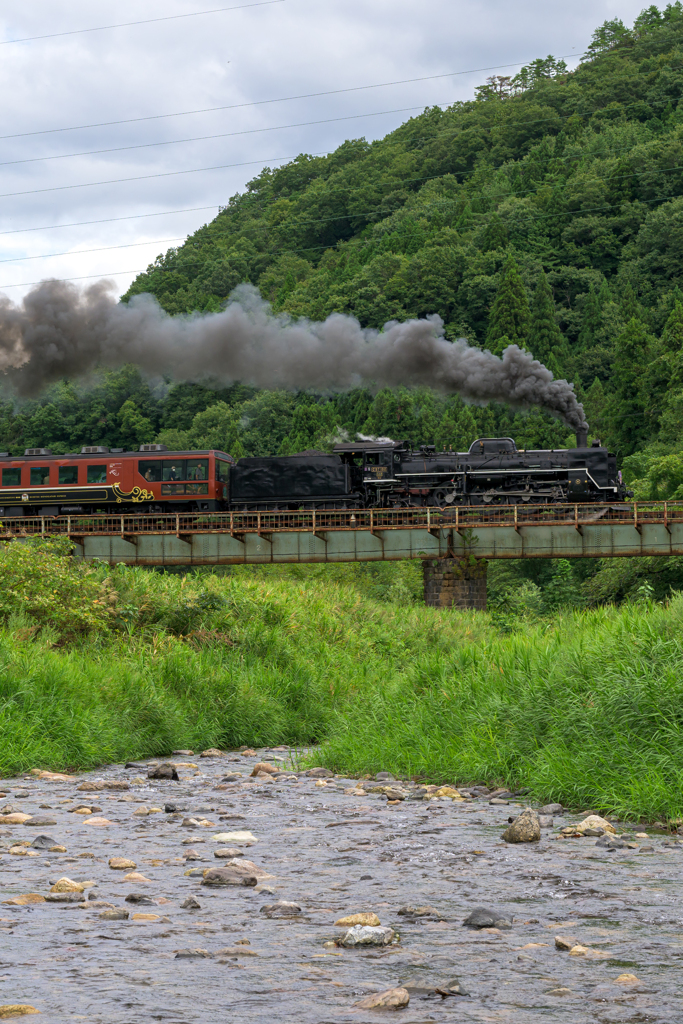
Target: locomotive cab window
40	475
68	474
11	478
150	469
97	474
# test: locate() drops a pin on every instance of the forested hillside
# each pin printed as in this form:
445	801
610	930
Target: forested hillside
546	211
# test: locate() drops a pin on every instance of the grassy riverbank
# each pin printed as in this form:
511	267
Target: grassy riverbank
96	666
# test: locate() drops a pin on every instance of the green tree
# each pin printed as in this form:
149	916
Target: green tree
134	428
626	408
545	340
510	319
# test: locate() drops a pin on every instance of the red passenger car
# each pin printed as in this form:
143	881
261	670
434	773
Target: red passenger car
112	480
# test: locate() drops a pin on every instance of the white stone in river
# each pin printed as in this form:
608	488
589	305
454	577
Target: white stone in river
234	837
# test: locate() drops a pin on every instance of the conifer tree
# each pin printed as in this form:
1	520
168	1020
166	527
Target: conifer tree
510	319
495	236
626	409
591	321
545	340
672	335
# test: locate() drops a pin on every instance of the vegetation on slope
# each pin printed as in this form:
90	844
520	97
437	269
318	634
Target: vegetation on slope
583	707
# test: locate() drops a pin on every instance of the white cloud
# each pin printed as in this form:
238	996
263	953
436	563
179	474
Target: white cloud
287	49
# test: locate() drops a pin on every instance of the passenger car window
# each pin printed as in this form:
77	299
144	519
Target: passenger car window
150	469
40	475
197	469
97	474
68	474
173	469
222	471
11	478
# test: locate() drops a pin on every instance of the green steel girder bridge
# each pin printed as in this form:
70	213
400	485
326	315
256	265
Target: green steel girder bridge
454	545
632	529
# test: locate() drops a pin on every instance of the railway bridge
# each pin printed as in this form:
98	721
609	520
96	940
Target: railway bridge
454	545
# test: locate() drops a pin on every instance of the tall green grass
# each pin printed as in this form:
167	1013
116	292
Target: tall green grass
585	707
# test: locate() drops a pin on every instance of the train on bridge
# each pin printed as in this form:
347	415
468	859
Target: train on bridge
358	475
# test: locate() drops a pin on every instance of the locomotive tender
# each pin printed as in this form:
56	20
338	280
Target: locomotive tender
363	474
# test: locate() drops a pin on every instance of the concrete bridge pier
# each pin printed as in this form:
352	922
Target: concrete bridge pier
455	582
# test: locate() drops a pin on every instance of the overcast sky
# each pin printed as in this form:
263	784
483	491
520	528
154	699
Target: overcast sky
54	86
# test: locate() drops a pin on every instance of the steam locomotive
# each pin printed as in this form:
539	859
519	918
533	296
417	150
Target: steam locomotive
363	474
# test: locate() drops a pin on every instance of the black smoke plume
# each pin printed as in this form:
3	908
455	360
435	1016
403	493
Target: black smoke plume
60	331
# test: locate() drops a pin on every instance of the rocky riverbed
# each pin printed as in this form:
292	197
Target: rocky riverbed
216	896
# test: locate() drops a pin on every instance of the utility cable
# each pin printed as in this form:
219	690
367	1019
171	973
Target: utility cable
352	243
147	21
279	99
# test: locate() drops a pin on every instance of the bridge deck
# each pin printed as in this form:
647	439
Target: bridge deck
517	531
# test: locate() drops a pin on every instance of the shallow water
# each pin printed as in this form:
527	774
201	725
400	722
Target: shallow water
333	854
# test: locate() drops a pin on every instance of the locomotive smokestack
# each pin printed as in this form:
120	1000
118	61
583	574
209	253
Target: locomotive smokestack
582	437
60	331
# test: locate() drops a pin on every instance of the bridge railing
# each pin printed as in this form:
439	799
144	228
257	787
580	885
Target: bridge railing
318	521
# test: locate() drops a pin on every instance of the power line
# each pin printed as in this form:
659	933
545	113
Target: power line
108	220
355	243
147	21
279	99
222	135
104	248
144	177
346	216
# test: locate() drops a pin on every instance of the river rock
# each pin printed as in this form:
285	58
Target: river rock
227	876
595	821
319	773
524	829
136	876
351	919
232	777
163	771
190	904
121	864
140	900
90	786
362	935
262	766
564	943
421	913
9	1010
67	885
63	897
228	852
421	990
26	900
393	793
235	837
483	917
118	785
234	951
551	809
40	821
14	818
283	908
117	914
190	954
212	752
392	999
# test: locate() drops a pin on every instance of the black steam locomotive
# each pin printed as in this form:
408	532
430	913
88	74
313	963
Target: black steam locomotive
393	474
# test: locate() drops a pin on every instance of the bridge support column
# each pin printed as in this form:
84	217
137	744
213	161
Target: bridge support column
455	583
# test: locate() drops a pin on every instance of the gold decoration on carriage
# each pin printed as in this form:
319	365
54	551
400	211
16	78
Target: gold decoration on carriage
136	495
